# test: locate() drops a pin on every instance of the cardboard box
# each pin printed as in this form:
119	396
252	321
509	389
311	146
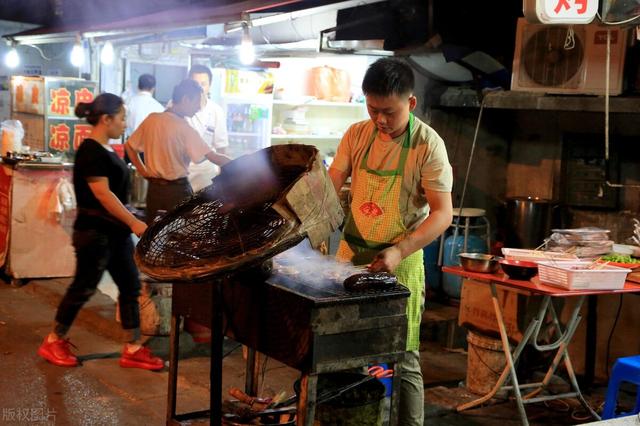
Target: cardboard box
477	311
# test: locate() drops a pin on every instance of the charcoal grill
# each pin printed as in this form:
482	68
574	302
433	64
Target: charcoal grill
310	327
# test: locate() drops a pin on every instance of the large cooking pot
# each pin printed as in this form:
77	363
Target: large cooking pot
139	185
529	221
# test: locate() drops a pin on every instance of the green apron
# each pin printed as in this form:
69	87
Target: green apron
375	223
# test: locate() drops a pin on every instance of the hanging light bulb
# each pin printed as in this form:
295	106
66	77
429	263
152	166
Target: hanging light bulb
77	54
246	51
12	59
106	54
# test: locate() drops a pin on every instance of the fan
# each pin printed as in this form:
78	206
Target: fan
548	61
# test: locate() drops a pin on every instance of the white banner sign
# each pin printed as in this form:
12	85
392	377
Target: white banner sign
560	11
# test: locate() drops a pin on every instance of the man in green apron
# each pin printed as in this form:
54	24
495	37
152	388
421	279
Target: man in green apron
401	201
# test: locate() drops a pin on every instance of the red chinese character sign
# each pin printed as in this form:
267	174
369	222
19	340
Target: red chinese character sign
59	136
60	101
83	95
80	133
560	11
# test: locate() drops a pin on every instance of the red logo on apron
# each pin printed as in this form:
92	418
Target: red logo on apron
370	209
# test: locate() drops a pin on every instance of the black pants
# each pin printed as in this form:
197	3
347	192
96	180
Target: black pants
165	195
97	251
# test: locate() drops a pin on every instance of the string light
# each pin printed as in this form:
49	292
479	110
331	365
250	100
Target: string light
106	54
77	54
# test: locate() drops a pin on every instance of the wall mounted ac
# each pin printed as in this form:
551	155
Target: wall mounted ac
544	60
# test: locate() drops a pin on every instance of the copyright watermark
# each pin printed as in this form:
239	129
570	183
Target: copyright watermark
28	415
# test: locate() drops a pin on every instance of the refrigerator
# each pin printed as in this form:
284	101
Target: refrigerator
246	97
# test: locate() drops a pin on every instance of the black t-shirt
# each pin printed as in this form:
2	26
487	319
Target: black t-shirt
94	160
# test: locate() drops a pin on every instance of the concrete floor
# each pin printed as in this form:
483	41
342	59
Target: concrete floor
101	393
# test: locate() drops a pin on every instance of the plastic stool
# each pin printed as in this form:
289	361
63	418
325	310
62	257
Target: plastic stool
625	369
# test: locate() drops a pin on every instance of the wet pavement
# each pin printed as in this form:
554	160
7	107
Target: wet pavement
99	392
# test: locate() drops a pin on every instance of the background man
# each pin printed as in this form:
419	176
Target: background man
211	124
401	201
142	103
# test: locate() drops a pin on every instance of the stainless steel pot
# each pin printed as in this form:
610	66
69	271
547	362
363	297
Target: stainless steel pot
529	221
139	185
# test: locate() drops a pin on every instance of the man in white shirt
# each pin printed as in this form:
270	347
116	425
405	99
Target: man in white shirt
211	124
142	103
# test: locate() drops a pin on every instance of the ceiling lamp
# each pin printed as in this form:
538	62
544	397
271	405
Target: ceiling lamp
77	54
246	53
106	54
12	59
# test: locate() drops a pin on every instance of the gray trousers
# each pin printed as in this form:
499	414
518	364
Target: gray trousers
411	411
165	195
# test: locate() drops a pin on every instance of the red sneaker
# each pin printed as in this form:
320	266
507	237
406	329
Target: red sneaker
58	352
142	358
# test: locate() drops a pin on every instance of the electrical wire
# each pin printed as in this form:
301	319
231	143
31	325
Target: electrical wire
625	21
42	53
466	177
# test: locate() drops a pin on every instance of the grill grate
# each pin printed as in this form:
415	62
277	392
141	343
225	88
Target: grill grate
230	221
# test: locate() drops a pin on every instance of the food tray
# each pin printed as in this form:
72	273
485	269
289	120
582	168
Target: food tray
535	255
563	274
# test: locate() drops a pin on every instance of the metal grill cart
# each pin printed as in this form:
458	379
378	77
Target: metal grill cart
260	205
35	240
530	335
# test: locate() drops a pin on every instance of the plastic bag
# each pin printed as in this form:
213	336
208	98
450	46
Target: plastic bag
12	135
329	84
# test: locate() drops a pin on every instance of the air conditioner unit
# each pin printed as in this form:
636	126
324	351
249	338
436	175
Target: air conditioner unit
547	59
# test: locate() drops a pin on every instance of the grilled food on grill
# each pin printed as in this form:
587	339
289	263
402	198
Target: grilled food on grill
370	281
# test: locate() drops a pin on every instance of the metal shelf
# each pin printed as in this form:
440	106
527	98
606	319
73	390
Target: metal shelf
540	102
288	137
318	104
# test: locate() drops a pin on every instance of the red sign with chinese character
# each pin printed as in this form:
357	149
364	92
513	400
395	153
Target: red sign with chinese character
83	95
80	133
60	101
59	137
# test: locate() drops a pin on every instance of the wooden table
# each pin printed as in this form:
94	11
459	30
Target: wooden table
530	335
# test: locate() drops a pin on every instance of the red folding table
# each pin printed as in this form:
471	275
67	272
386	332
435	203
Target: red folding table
530	335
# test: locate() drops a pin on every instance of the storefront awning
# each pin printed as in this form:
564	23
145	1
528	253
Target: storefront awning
187	16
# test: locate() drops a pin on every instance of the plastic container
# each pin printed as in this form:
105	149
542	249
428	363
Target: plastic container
433	274
568	276
386	381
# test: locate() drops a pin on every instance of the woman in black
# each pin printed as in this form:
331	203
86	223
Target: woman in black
102	237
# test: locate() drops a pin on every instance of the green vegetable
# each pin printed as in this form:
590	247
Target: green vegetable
620	258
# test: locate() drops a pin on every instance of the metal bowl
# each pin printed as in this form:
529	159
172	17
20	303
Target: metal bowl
519	269
478	262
